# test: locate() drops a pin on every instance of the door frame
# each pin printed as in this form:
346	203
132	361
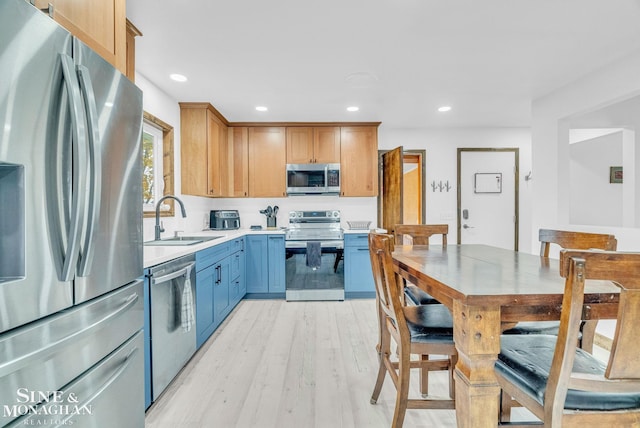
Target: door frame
423	155
516	152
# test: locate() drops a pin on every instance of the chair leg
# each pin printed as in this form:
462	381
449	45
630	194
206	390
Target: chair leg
402	393
382	371
424	378
588	335
384	351
453	359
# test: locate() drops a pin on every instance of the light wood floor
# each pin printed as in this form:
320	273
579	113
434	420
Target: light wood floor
290	364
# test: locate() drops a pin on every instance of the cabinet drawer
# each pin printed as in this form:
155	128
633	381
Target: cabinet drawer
237	262
236	245
211	255
356	240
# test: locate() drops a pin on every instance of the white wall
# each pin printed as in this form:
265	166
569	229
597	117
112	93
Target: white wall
441	165
550	148
589	165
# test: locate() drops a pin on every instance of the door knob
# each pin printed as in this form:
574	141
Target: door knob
466	226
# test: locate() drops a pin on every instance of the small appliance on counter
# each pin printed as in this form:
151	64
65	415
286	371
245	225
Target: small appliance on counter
224	220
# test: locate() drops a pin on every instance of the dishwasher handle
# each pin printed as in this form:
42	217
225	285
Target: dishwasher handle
185	271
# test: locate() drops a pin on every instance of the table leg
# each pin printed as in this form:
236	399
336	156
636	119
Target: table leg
476	331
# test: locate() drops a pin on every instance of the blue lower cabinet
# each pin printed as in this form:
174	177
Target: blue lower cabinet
276	258
204	304
358	277
257	266
221	304
265	259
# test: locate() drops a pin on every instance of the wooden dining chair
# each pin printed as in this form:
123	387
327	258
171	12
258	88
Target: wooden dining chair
563	385
422	330
565	240
419	234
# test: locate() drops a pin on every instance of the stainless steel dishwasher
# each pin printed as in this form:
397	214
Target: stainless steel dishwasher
173	330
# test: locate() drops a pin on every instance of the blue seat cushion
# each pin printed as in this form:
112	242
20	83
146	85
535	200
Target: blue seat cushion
418	296
429	323
525	361
535	327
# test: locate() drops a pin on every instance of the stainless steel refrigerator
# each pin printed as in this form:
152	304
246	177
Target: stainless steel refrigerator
71	305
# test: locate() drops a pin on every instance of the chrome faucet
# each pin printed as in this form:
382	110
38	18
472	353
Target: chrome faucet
159	228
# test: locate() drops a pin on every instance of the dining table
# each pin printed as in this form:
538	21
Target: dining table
489	290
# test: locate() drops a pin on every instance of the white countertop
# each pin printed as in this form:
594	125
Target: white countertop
157	254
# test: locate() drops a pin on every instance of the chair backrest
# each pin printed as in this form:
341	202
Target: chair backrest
388	286
420	233
575	240
622	373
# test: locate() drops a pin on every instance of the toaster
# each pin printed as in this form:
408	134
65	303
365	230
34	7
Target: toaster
224	219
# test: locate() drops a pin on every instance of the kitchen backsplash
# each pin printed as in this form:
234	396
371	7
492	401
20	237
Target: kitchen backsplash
364	209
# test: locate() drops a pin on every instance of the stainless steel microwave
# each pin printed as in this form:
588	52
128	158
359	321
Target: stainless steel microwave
313	179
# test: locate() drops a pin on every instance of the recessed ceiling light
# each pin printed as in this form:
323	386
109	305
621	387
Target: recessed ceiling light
444	108
353	108
178	77
261	108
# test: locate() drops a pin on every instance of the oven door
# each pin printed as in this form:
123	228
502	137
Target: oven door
325	282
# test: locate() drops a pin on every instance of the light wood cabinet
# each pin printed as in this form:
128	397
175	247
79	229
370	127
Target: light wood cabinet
101	24
313	145
359	161
204	151
267	162
132	33
239	148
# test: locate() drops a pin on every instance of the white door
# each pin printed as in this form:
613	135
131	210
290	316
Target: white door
487	197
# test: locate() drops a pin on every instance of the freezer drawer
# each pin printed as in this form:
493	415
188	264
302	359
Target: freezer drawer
47	354
107	395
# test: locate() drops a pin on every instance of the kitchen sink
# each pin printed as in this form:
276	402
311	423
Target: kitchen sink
182	240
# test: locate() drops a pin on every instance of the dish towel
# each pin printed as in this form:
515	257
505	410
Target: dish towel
314	254
186	304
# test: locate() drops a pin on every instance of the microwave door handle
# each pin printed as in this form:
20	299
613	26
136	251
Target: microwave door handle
94	182
79	160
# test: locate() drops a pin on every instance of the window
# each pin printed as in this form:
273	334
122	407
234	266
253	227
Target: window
152	182
157	164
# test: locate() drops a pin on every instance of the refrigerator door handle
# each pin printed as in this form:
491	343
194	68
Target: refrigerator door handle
39	354
78	122
95	166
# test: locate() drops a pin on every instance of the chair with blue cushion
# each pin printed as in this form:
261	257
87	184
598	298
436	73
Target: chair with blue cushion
567	240
422	330
560	383
419	234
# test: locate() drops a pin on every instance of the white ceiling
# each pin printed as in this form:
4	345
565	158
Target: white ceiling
398	60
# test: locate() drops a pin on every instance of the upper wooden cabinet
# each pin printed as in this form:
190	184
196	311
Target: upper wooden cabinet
132	33
313	145
267	161
239	154
359	161
204	151
101	24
